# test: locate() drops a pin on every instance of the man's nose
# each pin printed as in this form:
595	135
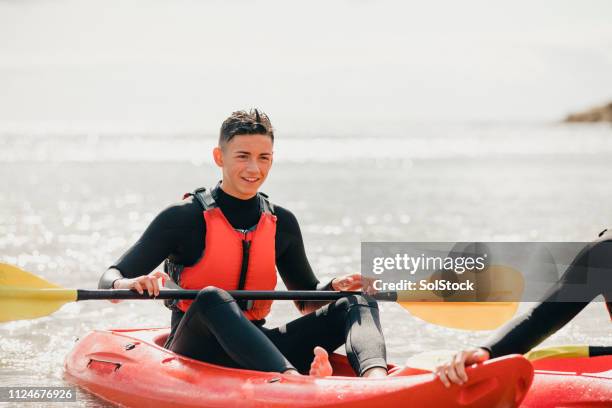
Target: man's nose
252	166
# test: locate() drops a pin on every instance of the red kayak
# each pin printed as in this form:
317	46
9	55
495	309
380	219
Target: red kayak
571	382
130	368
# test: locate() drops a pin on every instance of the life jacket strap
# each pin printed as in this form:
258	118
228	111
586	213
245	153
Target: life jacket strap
264	204
204	197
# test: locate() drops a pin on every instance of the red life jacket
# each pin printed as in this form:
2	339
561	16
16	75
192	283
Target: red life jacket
233	259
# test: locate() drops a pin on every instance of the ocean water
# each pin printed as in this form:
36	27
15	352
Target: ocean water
71	203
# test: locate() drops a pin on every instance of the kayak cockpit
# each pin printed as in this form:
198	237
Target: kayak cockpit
339	362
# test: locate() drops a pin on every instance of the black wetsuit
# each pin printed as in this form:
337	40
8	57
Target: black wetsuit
593	265
215	330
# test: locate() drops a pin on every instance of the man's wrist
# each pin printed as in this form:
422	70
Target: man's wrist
487	349
325	287
113	284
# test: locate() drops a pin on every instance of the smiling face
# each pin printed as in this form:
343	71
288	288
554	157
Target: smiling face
245	161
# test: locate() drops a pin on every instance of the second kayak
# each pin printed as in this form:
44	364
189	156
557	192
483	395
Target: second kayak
570	376
130	368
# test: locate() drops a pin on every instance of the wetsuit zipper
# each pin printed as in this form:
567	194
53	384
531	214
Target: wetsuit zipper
246	246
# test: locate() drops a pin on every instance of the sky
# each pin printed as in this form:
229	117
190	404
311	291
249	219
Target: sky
317	65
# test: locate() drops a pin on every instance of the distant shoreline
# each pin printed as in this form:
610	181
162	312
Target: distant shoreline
596	114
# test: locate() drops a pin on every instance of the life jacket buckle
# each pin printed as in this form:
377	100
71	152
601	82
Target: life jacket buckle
174	271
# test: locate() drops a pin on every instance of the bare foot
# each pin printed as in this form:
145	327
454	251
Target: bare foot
320	366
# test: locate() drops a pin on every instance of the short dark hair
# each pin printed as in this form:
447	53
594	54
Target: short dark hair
253	122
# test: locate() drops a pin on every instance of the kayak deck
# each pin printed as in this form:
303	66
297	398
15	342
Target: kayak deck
130	368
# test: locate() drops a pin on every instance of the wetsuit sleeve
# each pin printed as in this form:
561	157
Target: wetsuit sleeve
170	234
527	331
291	260
108	278
592	265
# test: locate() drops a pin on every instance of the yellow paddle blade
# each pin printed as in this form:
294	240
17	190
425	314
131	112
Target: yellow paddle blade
490	305
463	315
27	296
429	360
12	276
567	351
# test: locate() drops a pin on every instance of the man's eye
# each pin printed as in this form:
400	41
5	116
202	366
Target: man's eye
266	158
242	156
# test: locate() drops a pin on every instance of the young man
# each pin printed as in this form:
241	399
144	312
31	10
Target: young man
232	237
588	276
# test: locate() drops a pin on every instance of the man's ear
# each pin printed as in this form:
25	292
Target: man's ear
218	156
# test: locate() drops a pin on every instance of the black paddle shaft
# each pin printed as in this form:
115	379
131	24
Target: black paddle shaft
595	351
127	294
